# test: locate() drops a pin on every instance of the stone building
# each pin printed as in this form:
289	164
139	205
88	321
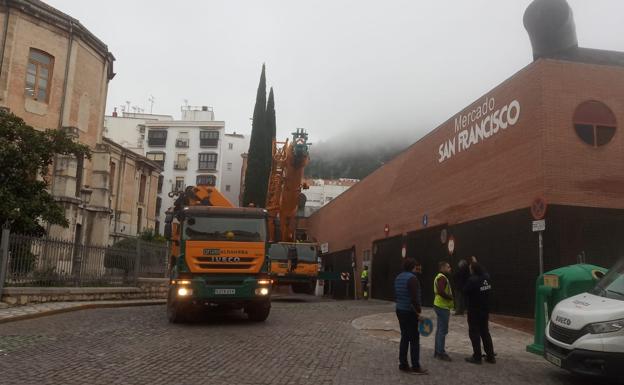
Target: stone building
54	73
133	186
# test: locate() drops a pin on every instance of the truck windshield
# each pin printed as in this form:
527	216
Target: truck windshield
235	229
612	284
305	252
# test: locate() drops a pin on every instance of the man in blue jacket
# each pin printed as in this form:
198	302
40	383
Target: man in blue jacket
408	302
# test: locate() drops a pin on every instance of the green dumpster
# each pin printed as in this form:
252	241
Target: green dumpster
554	286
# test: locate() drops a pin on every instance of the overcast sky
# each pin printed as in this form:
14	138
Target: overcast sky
336	66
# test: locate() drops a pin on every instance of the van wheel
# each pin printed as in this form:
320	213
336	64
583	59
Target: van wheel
258	312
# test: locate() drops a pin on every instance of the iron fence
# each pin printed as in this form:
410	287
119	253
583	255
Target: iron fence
34	261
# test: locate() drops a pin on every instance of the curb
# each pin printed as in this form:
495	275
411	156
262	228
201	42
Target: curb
82	307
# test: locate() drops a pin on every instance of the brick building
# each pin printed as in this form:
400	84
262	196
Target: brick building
552	130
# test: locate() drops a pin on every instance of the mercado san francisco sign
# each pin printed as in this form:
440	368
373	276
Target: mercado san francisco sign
480	124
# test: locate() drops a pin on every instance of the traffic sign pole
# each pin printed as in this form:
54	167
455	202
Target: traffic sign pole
541	253
538	211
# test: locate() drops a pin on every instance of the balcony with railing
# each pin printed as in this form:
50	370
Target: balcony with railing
182	143
180	165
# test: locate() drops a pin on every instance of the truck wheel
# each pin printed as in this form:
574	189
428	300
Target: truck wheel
176	312
258	312
303	288
310	288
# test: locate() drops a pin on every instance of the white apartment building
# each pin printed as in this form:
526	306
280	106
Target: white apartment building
128	130
189	151
234	145
323	191
193	150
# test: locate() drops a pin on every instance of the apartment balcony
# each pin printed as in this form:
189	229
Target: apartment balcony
208	142
180	165
156	142
182	143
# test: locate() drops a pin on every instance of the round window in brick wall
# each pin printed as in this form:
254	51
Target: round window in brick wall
594	123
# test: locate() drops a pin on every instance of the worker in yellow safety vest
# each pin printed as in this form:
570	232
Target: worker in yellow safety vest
364	282
442	305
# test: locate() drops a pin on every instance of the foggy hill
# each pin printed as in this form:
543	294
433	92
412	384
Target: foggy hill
354	155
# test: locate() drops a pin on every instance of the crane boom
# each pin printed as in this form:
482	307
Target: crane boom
285	185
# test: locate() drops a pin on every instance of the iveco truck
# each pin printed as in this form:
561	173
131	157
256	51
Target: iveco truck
218	255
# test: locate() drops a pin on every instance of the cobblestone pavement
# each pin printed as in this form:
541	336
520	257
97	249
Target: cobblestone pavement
10	314
302	342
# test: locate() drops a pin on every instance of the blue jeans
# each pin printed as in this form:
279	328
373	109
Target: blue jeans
443	316
408	321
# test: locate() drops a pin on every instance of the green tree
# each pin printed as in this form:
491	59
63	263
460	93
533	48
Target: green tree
256	178
270	129
26	153
270	118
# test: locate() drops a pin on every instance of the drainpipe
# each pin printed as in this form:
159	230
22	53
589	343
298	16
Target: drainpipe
122	171
4	36
65	80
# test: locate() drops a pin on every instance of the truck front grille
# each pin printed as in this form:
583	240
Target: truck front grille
225	266
565	335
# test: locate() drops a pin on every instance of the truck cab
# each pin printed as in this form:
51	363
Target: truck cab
585	334
295	264
219	259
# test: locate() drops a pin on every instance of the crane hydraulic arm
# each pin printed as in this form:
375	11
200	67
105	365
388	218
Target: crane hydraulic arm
285	184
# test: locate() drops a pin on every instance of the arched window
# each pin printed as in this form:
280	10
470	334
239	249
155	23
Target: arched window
594	123
207	180
39	75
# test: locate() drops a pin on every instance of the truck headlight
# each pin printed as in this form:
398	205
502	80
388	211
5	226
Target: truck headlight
606	327
184	292
262	291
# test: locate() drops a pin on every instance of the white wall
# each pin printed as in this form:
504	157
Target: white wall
124	130
321	192
231	178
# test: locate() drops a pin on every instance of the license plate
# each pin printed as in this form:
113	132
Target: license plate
553	360
225	291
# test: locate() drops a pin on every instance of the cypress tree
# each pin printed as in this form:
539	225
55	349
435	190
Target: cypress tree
270	129
270	117
255	179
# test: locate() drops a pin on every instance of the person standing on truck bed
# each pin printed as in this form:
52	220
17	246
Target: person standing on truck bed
477	291
408	302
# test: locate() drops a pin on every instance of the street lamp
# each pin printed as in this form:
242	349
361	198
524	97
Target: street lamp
85	195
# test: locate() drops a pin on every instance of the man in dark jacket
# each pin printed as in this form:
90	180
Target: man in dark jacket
476	291
408	302
460	278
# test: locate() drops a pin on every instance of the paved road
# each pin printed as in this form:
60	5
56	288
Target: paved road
302	342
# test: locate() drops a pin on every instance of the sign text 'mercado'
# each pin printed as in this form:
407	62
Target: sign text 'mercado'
491	123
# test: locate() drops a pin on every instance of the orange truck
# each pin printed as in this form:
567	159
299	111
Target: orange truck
218	255
292	262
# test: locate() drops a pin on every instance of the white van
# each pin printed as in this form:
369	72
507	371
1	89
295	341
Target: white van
585	334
